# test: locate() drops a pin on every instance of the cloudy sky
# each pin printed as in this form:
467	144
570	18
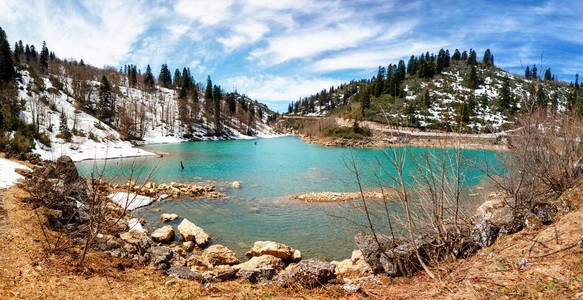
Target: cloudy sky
280	50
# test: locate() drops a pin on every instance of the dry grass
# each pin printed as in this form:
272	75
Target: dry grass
27	272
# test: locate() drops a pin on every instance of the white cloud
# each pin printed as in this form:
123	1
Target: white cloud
378	56
101	33
309	42
244	33
205	12
272	88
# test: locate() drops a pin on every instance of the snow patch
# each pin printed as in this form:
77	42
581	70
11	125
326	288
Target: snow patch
130	201
8	175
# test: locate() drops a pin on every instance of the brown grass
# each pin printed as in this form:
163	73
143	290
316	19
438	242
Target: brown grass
27	272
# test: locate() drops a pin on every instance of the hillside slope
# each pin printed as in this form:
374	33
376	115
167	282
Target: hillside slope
54	104
471	98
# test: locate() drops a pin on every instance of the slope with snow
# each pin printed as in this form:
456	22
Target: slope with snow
8	175
155	112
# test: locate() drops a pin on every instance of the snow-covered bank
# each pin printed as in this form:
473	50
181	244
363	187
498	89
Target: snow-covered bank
8	175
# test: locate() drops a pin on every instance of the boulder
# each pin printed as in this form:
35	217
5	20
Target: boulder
257	275
375	254
66	170
163	235
355	266
272	248
182	272
216	255
191	232
308	273
484	234
225	273
168	217
160	256
133	237
196	262
236	184
261	262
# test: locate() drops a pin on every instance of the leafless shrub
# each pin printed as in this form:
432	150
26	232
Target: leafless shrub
543	161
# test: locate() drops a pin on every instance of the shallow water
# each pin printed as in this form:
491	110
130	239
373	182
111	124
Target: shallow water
270	171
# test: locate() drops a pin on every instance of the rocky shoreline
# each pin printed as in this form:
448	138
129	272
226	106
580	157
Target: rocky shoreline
195	257
383	141
320	197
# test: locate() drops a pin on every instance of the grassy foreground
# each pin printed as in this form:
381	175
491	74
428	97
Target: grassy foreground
554	271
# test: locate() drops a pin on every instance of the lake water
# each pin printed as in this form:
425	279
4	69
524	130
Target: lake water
270	171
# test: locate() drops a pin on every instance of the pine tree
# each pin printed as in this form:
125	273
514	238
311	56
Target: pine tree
177	79
472	59
533	72
505	101
208	94
527	73
64	132
456	55
165	78
488	58
233	103
548	76
472	80
464	56
44	57
149	78
7	72
217	97
105	107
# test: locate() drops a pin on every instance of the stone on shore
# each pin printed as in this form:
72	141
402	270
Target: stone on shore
308	273
217	255
275	249
191	232
188	246
236	184
163	235
355	266
261	262
168	217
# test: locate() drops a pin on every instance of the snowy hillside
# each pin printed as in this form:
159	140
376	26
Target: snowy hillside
154	113
489	104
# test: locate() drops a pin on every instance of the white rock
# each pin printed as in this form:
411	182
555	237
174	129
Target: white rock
191	232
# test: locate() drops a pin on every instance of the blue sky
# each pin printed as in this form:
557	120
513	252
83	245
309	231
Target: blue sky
279	50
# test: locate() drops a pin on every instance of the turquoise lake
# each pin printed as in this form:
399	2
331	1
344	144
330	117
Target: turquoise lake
270	172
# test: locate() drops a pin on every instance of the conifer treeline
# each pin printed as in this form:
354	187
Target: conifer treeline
389	80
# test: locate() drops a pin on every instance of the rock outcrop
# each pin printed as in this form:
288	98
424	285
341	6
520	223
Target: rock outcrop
190	232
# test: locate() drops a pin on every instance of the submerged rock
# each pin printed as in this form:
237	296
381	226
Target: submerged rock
191	232
308	274
236	184
216	255
168	217
163	235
